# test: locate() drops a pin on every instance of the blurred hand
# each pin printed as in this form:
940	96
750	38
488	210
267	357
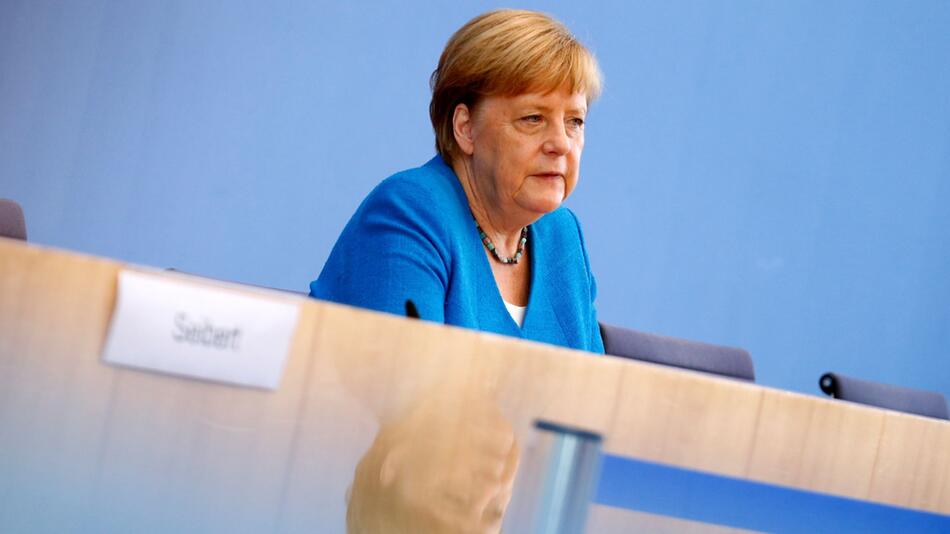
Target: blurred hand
447	466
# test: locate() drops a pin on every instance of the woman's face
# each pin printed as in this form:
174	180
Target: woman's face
525	150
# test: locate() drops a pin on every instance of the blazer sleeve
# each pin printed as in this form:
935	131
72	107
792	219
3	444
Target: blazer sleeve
391	251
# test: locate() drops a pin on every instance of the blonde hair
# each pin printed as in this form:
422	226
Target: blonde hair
506	52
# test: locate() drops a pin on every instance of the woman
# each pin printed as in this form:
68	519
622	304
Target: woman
476	237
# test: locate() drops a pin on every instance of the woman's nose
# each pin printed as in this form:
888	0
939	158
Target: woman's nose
557	141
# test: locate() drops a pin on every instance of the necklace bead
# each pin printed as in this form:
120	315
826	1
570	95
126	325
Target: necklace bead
508	260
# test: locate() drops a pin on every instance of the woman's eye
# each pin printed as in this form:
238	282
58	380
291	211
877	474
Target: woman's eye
577	122
532	119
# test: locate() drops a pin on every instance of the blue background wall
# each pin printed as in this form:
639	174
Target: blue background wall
773	175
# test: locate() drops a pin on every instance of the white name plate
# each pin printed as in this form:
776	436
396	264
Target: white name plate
179	327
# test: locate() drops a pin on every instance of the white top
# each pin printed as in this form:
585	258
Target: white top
517	312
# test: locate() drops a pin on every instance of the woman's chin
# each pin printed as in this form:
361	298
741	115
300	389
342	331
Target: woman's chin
541	195
541	205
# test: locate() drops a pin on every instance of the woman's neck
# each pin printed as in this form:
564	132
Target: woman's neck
503	229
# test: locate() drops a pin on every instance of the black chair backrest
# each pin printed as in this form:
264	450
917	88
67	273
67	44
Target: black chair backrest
715	359
12	223
901	399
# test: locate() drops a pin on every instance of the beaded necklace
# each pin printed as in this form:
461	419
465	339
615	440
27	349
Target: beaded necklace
494	252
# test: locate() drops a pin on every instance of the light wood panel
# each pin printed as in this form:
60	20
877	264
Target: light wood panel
54	397
100	447
816	444
108	448
912	466
685	418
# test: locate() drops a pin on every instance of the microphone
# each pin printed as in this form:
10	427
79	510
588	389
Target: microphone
411	311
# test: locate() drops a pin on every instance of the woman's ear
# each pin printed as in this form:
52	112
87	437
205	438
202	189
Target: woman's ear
462	129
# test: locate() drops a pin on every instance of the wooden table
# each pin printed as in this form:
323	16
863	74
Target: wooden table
86	445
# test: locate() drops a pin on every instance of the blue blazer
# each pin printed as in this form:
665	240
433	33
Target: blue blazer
414	238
